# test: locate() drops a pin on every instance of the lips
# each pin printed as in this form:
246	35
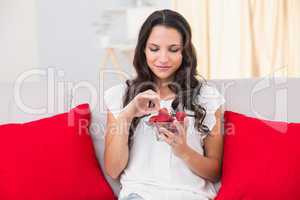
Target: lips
163	67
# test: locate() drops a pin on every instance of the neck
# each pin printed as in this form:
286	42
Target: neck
164	91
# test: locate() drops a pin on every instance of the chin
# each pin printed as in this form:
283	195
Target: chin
164	77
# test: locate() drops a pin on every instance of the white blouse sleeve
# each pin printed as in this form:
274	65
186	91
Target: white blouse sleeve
211	99
113	99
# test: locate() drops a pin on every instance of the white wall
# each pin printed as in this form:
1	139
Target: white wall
68	39
18	38
54	33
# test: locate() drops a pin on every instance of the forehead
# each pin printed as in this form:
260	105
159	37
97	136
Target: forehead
164	35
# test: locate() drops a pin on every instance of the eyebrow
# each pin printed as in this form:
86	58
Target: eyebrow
172	45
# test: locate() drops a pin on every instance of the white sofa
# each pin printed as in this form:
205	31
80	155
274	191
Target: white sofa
269	98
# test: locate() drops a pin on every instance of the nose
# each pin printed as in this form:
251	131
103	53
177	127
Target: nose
163	57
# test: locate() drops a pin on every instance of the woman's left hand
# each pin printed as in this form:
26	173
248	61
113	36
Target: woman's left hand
176	140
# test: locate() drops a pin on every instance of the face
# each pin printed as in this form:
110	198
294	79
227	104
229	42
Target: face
164	52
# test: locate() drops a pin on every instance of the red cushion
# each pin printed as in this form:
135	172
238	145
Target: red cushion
261	159
51	158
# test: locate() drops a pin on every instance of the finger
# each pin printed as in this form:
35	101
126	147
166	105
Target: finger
183	126
166	132
155	100
179	127
150	91
153	110
148	103
151	97
186	123
166	139
154	105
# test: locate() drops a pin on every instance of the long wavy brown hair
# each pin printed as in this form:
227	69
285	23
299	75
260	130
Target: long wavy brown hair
185	84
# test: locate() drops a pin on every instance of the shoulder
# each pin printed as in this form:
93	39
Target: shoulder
115	92
209	91
116	89
210	97
211	100
113	98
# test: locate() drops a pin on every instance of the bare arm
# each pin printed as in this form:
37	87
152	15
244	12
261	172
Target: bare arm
116	143
209	165
116	152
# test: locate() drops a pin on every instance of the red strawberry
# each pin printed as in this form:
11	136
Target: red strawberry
164	118
153	119
163	111
180	116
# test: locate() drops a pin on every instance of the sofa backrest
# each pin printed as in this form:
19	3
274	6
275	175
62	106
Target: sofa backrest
268	98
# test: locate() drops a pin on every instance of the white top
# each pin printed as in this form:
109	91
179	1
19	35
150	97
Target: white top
153	171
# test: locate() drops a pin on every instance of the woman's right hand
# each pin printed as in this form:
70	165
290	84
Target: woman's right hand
144	103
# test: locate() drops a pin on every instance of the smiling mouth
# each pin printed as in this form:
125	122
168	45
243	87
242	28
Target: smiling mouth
163	67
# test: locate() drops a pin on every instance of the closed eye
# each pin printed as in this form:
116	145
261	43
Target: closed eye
174	50
154	49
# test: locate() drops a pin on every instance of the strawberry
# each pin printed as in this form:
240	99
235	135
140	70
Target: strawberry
163	111
153	119
180	116
164	118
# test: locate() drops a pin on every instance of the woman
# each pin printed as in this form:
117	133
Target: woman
183	165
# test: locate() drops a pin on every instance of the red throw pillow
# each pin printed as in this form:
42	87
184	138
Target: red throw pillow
51	158
261	159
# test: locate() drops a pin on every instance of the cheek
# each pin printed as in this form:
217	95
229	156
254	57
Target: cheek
177	59
150	57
